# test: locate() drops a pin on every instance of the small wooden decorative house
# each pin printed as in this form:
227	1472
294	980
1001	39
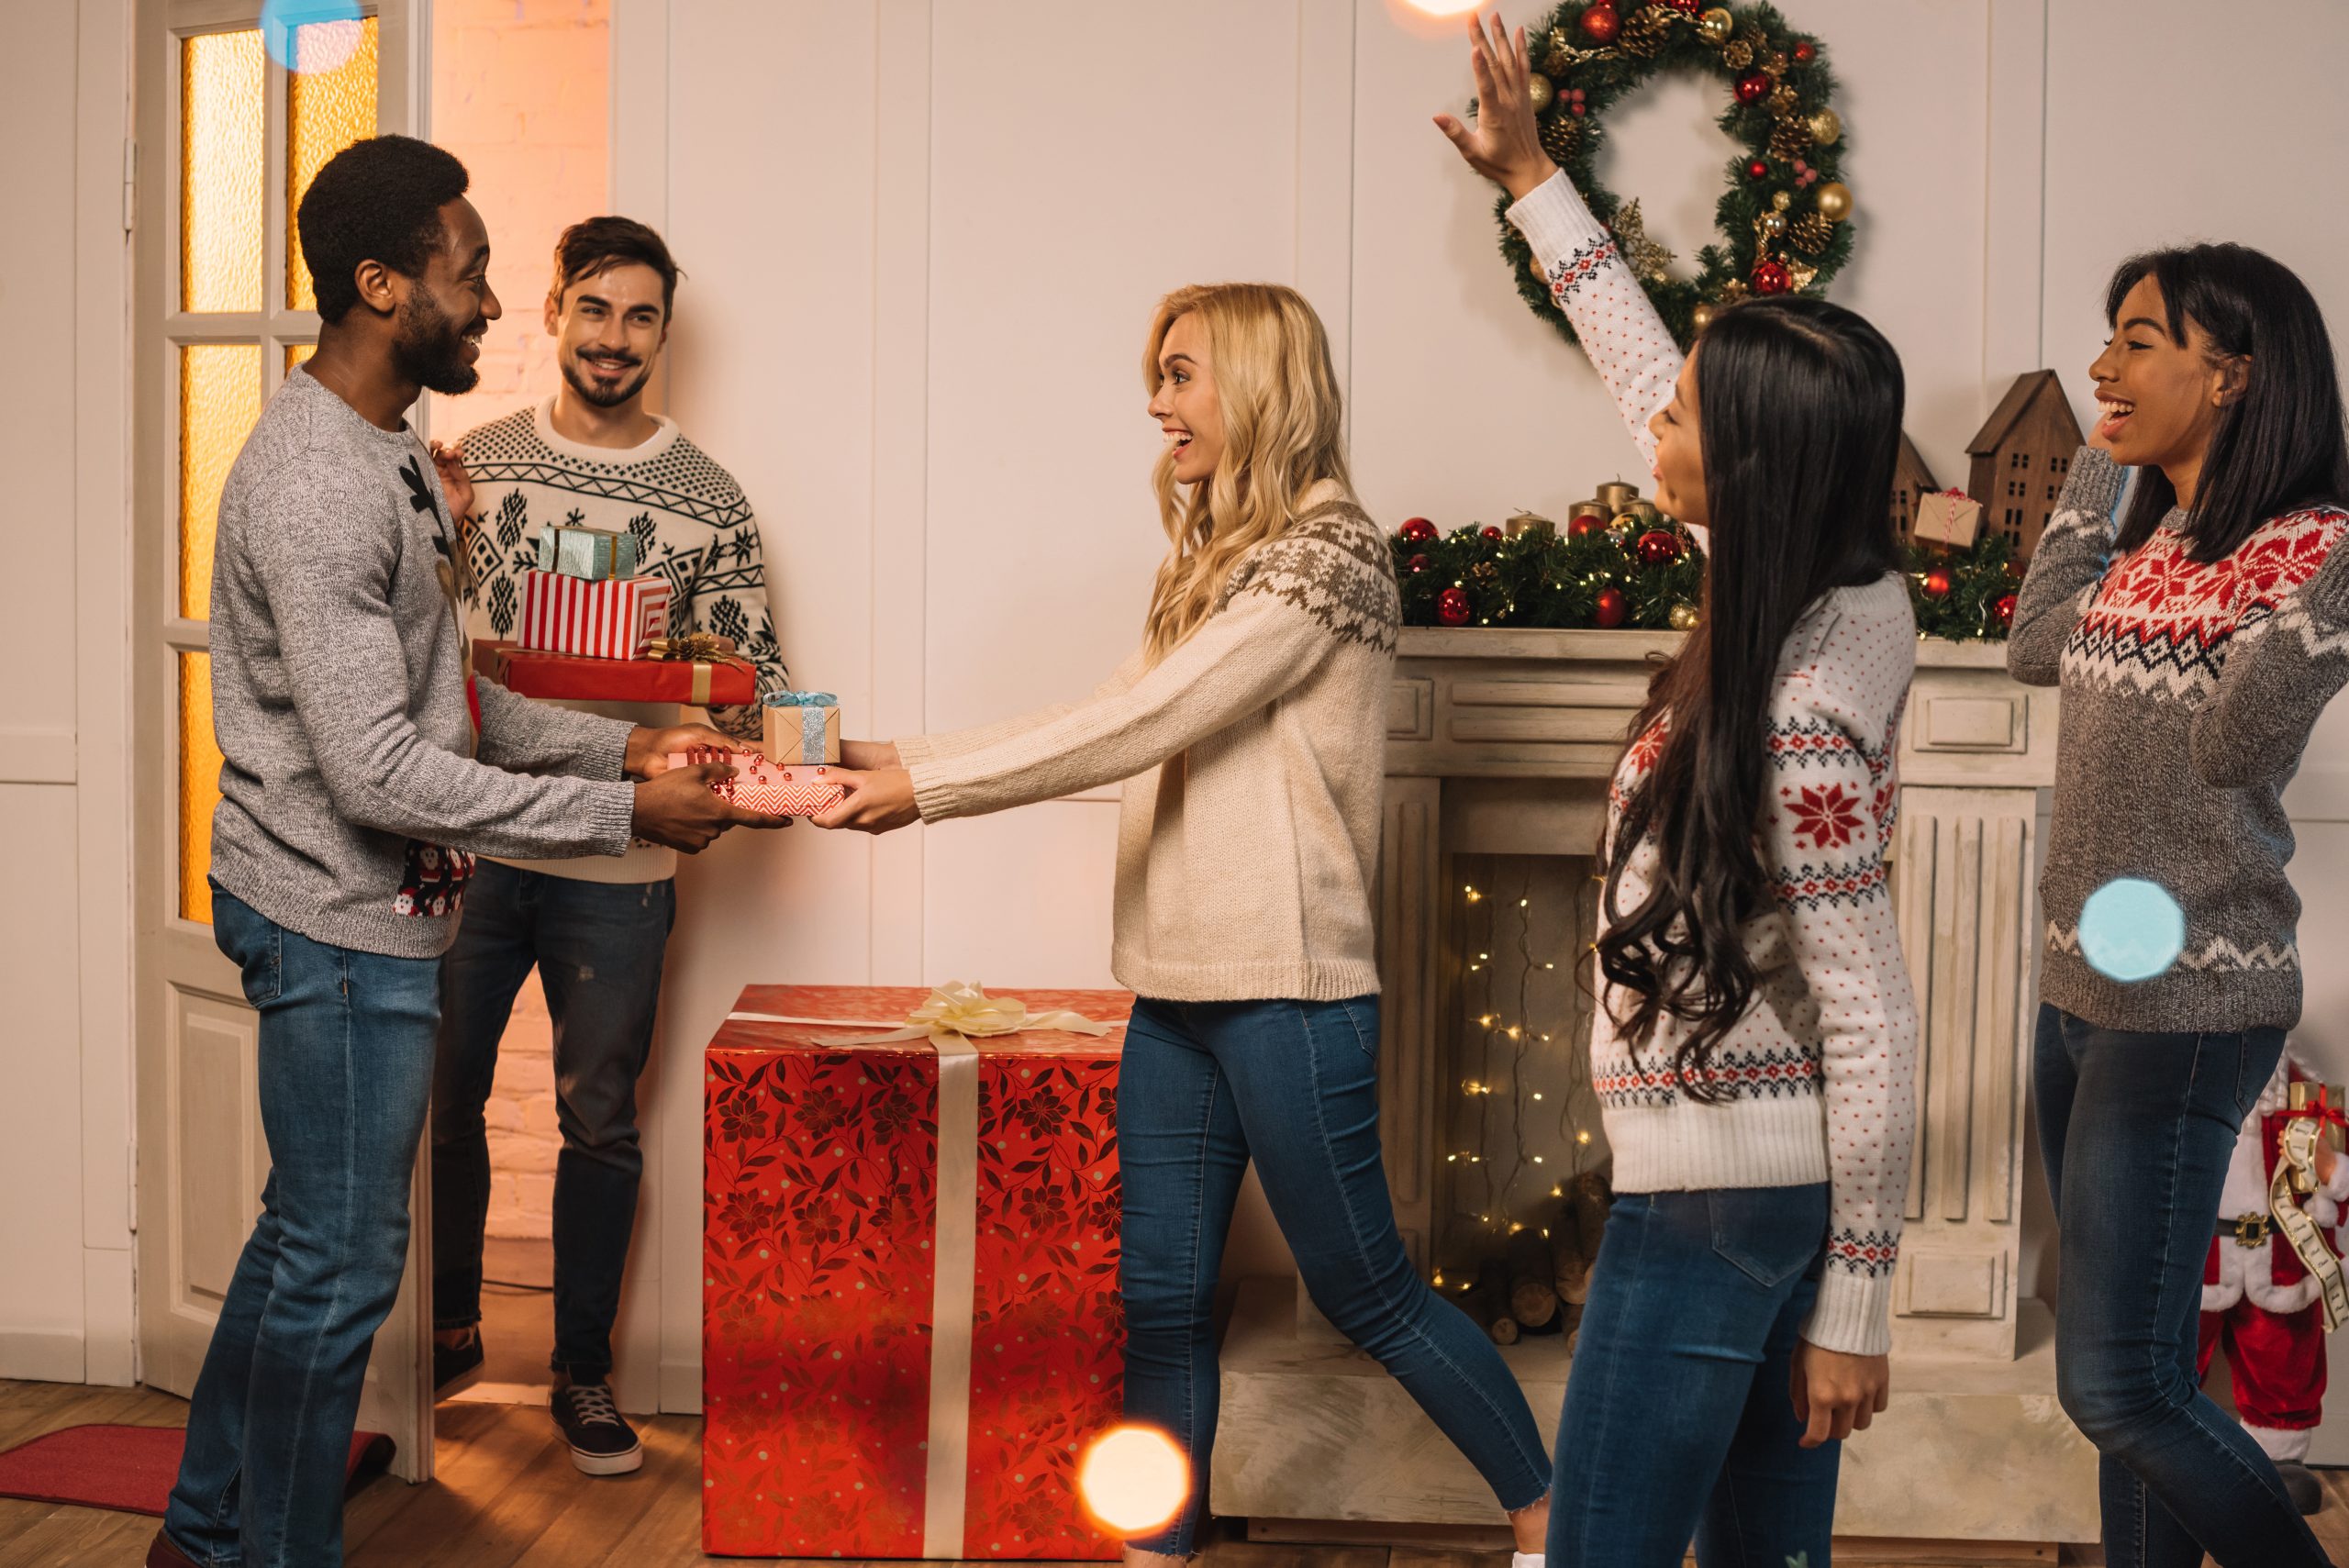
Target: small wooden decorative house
2021	455
1911	482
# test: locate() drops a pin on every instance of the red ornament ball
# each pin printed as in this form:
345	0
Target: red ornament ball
1492	533
1937	584
1452	608
1658	547
1758	170
1770	277
1600	25
1805	52
1686	7
1612	608
1752	87
1418	563
1419	530
1585	525
2005	609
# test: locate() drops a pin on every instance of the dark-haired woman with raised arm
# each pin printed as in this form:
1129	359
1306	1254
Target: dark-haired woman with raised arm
2195	647
1754	1044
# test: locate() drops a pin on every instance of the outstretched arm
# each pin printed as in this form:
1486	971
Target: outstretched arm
2070	562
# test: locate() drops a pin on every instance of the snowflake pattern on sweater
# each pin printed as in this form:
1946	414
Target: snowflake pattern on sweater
1817	1081
691	522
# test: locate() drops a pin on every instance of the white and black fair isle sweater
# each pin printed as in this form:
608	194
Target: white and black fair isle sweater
691	522
2189	690
1820	1074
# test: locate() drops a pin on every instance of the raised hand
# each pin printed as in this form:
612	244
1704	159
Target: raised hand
455	482
1503	145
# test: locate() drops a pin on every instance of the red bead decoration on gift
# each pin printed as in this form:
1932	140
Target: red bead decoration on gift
1418	563
1452	608
1937	584
1419	530
1752	87
1492	533
2005	609
1758	170
1600	25
1770	277
1658	548
1611	609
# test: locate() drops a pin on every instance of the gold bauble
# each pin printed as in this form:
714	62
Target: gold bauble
1701	317
1715	26
1538	90
1827	128
1835	199
1683	617
1773	223
1781	201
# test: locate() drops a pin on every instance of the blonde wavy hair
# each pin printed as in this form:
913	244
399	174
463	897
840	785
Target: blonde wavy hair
1282	434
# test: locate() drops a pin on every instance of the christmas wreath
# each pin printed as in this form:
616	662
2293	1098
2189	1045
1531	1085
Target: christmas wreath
1782	221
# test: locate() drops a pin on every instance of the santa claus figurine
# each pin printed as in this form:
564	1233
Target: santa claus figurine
2259	1300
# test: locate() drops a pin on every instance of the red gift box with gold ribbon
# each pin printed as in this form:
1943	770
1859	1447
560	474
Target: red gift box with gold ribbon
910	1321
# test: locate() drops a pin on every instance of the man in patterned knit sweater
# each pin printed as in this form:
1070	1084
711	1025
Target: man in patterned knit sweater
591	454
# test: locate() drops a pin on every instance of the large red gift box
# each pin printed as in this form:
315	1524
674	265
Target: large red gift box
867	1352
570	677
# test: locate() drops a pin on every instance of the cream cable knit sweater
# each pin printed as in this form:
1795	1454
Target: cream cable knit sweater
1253	756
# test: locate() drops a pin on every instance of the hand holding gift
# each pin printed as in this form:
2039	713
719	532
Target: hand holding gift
683	806
773	791
878	802
652	752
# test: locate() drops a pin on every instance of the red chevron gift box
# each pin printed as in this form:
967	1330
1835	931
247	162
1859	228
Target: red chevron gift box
609	617
762	784
910	1320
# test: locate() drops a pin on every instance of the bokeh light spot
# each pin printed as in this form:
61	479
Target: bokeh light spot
1133	1480
2131	929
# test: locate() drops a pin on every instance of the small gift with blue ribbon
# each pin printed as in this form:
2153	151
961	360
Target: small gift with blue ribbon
802	726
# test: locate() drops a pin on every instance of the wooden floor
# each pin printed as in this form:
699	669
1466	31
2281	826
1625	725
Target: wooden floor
507	1497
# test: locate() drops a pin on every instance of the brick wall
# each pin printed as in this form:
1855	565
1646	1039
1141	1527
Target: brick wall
521	91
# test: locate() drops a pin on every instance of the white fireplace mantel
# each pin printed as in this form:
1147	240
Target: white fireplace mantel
1500	741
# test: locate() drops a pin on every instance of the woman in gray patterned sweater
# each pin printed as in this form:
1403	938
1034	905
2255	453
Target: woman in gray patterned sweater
2195	650
1250	730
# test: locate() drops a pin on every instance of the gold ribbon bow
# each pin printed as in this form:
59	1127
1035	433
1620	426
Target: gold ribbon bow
705	649
2296	1173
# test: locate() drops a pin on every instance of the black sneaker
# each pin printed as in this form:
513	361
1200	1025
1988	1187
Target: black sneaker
602	1443
2301	1485
456	1368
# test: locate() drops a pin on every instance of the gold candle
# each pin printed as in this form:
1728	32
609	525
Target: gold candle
1615	495
1528	522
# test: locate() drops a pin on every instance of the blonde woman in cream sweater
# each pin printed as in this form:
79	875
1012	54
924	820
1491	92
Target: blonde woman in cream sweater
1250	731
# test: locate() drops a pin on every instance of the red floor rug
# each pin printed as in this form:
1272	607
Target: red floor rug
127	1468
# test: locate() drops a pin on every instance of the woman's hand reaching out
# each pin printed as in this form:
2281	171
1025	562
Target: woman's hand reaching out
1503	145
877	801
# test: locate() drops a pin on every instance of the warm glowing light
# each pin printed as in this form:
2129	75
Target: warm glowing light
1442	7
1582	1137
1133	1480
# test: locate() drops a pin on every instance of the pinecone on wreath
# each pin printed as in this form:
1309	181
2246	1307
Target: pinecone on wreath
1646	31
1561	136
1789	139
1784	101
1737	54
1812	234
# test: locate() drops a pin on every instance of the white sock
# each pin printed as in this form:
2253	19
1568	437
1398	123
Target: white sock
1525	1560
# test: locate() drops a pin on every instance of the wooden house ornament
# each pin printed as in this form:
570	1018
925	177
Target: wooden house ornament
1911	482
2021	455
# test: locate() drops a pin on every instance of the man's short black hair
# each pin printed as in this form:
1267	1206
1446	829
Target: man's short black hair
377	200
595	244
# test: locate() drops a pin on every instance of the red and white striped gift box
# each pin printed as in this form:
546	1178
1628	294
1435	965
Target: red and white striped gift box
602	619
769	787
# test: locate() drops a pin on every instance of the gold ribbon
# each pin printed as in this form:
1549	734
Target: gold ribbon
706	650
955	1014
2297	1169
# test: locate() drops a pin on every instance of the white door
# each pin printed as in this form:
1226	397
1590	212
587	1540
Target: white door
227	138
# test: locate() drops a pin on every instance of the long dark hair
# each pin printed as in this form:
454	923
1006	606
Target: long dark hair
2278	448
1798	407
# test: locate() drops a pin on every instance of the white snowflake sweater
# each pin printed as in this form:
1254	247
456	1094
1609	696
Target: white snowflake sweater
1820	1074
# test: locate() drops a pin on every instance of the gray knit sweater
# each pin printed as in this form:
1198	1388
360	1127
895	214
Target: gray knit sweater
351	798
2188	694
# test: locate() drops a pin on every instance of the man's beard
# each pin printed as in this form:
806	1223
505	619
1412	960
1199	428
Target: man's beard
430	350
619	392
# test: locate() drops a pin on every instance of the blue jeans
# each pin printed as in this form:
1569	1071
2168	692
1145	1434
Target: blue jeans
346	1063
1679	1420
2137	1130
598	949
1201	1087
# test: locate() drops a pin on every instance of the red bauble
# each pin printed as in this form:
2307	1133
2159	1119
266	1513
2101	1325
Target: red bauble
1805	52
1752	87
1418	563
1600	25
1658	548
1586	524
1419	530
2005	609
1770	277
1758	170
1611	609
1937	584
1492	533
1686	7
1452	608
